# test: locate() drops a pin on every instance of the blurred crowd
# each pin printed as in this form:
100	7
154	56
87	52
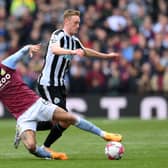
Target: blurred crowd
138	29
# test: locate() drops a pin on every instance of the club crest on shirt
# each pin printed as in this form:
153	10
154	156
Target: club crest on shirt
2	72
56	100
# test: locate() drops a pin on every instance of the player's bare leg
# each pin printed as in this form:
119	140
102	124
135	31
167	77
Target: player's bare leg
69	118
29	141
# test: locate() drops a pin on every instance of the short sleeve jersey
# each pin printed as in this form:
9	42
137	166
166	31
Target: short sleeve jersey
14	93
55	66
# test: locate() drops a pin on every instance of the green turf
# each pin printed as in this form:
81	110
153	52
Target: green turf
146	146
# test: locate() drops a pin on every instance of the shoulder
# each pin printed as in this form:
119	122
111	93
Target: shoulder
4	67
75	38
58	34
58	31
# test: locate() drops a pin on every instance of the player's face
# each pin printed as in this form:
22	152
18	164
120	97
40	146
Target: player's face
73	24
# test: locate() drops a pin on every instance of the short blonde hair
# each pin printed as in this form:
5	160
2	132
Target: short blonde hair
71	12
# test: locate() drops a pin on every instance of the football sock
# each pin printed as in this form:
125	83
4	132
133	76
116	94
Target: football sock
44	125
54	134
88	126
41	152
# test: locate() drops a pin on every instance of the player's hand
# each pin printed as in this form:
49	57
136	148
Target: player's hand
115	56
34	49
78	52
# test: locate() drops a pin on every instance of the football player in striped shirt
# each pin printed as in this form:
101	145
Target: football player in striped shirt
63	45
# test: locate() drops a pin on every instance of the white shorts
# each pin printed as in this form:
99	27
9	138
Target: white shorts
41	110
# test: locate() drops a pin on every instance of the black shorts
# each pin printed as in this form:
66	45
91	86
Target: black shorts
55	94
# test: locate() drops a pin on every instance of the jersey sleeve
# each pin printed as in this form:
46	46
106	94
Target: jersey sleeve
79	44
56	38
12	60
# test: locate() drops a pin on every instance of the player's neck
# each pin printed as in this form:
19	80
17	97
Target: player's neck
67	32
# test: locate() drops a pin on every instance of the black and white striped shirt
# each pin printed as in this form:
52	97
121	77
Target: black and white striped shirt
55	66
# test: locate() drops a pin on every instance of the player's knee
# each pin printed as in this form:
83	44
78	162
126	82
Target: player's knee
64	124
71	120
31	147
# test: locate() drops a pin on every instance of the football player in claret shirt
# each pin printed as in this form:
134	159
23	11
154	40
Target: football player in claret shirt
28	108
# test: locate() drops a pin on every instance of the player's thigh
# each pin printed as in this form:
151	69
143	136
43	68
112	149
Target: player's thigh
41	110
25	122
61	116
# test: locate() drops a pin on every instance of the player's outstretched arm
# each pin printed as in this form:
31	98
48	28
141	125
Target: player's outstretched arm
34	49
12	60
93	53
57	50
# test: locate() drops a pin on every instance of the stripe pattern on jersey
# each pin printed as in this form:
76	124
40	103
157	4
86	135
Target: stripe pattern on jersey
55	66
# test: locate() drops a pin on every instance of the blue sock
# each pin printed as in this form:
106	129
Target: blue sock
41	152
88	126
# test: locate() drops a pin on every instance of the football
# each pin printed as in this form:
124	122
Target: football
114	150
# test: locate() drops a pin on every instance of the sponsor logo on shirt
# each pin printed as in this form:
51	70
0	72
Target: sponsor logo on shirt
68	57
4	77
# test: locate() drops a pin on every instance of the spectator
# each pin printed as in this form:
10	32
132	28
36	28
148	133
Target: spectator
18	7
146	28
127	49
95	78
134	28
164	58
133	35
165	81
3	42
144	80
77	79
116	22
113	80
162	24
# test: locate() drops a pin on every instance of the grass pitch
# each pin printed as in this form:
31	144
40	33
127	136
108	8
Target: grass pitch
145	142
